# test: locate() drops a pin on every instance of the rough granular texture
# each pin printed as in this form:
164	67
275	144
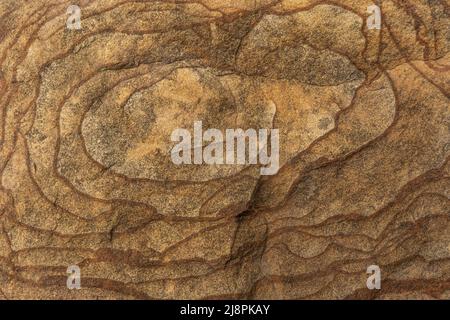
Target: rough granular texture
87	178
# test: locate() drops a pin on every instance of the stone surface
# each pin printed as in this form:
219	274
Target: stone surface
87	179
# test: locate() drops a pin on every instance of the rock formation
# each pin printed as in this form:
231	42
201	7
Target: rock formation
87	179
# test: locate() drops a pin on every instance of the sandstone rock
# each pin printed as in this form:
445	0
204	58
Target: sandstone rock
87	178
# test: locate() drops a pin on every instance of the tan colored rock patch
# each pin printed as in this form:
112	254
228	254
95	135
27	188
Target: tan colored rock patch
87	179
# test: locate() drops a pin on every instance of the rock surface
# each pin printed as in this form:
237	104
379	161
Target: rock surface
87	179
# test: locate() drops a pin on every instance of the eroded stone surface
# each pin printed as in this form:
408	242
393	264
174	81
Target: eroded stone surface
86	175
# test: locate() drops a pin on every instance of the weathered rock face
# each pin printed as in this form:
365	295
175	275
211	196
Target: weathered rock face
85	161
